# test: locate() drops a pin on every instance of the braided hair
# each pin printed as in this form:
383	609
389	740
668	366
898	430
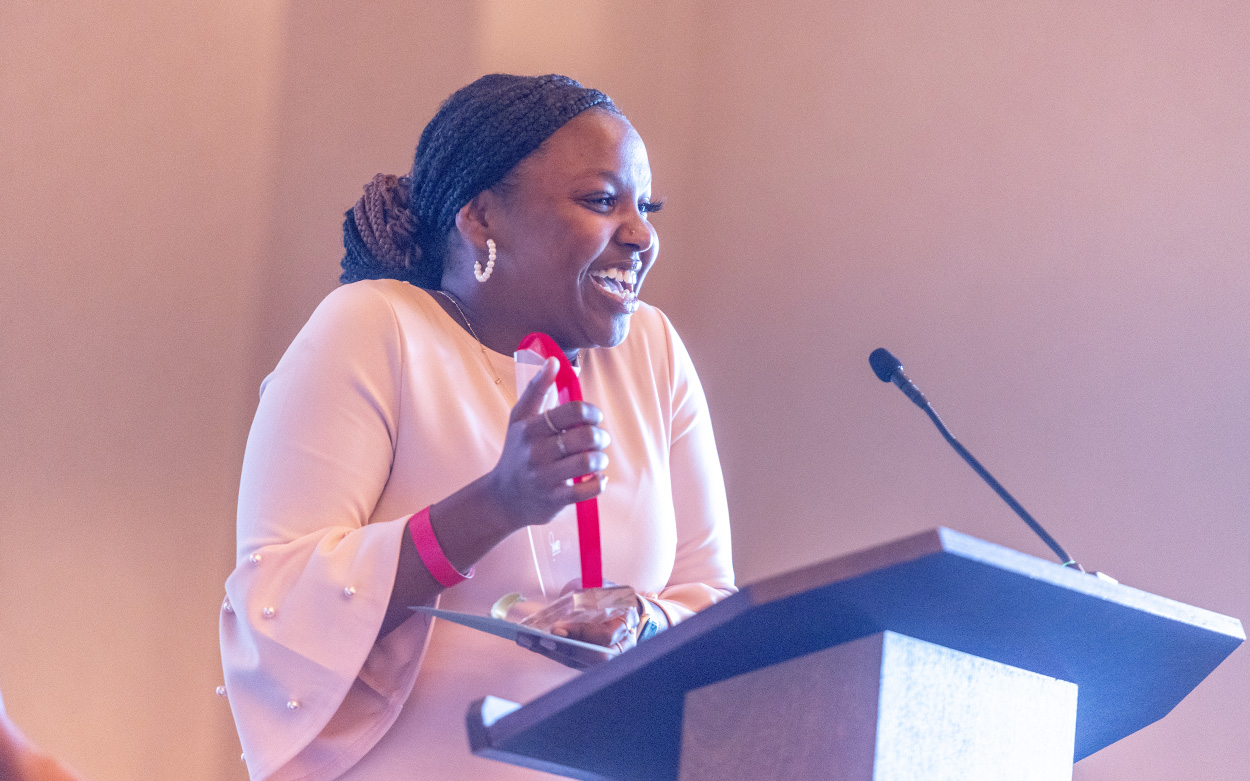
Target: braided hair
399	227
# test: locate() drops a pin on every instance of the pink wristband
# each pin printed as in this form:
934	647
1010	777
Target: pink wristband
431	552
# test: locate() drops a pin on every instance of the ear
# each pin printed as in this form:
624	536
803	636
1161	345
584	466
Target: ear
473	219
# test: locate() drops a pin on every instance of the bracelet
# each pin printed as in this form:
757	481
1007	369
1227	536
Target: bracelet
431	552
648	627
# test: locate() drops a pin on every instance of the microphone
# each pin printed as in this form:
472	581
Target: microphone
890	369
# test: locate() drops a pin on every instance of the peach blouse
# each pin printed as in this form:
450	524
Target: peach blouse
384	405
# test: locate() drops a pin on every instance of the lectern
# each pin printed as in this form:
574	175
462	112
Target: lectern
938	656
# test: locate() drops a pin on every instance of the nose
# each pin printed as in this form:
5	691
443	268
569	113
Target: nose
637	234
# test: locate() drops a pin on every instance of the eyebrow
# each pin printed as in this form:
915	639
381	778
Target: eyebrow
615	179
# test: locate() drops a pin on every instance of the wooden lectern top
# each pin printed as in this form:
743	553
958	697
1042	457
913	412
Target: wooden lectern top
1133	655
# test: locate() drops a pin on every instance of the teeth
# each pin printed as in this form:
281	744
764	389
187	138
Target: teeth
618	284
620	275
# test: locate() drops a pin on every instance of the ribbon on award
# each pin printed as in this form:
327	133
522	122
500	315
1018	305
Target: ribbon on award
569	389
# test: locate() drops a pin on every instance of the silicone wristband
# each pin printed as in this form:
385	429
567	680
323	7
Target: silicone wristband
431	552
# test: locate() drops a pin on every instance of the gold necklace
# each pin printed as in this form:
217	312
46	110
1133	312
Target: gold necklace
577	358
485	357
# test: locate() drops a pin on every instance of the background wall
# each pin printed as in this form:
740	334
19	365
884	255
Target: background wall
134	182
1040	207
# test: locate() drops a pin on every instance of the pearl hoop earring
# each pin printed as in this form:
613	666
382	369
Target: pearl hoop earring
484	274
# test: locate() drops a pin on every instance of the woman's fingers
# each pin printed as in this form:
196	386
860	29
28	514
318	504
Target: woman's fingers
615	634
565	417
550	459
572	492
608	632
579	440
576	465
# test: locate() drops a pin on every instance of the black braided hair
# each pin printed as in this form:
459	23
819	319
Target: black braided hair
399	228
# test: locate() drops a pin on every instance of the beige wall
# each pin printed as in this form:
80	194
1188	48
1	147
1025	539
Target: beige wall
133	189
1040	207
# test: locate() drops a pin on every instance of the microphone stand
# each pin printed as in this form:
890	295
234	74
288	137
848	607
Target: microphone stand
1067	560
890	369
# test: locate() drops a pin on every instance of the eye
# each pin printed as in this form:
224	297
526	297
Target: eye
601	203
650	207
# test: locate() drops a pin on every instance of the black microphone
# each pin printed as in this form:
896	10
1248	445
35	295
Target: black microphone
890	369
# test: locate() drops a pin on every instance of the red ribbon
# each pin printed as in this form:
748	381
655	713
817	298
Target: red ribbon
569	389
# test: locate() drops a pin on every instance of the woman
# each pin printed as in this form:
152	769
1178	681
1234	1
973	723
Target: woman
526	210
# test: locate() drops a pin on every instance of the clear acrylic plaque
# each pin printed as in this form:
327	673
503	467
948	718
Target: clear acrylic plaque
557	561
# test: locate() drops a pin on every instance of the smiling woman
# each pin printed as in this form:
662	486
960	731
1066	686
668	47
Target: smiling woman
573	235
393	455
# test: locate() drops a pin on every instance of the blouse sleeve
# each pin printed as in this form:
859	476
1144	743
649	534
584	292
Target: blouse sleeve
310	686
703	569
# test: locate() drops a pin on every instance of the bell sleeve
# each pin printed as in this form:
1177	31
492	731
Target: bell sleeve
311	686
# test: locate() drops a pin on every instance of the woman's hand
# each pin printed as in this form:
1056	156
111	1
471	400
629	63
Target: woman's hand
608	617
577	657
546	454
613	633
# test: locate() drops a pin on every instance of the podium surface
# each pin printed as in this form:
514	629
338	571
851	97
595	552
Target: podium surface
1133	655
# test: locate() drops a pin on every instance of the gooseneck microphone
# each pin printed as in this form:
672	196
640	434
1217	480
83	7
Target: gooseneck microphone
890	369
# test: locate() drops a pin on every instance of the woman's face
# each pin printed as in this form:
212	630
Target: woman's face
573	239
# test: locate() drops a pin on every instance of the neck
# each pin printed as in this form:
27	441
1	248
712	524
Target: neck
470	315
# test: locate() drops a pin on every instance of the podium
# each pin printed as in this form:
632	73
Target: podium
935	656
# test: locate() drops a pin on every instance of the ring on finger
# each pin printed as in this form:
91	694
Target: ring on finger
560	443
550	425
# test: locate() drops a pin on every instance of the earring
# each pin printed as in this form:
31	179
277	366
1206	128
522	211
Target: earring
483	275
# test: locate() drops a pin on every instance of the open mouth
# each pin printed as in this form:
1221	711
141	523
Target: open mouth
620	284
